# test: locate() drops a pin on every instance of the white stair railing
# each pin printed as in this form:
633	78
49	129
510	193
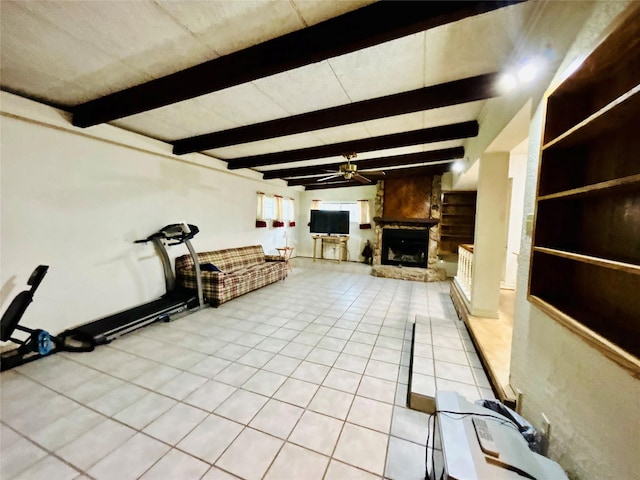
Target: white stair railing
465	269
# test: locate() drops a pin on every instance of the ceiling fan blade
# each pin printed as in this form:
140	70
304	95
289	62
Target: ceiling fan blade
329	177
360	178
374	174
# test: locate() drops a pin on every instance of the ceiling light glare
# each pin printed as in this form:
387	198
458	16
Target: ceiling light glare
507	82
457	166
528	72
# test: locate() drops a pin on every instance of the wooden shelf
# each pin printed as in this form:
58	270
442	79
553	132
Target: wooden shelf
601	262
457	222
621	111
630	182
585	265
606	347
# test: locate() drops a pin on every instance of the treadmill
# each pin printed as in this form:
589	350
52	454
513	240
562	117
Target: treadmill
174	301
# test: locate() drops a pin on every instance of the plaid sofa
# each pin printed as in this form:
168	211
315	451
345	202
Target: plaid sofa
241	270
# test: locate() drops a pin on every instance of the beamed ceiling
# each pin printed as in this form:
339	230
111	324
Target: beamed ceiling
284	87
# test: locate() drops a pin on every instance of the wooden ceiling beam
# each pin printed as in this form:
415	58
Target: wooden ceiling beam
370	25
456	92
418	171
324	185
442	133
381	162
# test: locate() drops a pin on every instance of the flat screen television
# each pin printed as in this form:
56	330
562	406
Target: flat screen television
330	222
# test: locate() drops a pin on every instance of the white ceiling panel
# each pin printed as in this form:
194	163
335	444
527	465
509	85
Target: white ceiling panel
395	124
243	104
151	127
198	119
189	119
229	26
453	114
391	67
305	89
126	36
26	40
389	152
273	145
295	142
68	93
473	46
343	133
313	11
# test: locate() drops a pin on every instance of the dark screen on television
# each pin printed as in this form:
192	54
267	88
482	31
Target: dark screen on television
330	222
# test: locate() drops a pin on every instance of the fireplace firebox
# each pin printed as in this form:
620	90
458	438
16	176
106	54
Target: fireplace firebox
408	248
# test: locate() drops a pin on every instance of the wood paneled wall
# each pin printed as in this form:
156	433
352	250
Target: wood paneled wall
407	197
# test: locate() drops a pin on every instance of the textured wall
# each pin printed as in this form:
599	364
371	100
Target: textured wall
592	403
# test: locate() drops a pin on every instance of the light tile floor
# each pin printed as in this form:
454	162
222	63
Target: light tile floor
303	379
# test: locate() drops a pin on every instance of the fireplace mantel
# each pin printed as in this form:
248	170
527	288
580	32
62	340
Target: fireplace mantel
414	222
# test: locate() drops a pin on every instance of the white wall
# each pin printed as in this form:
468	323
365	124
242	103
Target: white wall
357	237
490	236
517	175
77	202
592	403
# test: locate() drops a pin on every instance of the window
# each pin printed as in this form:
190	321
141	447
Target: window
274	208
269	207
288	212
352	207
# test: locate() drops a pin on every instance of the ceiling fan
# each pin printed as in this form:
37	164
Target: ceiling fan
349	171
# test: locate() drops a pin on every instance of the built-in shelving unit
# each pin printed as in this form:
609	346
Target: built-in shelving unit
585	269
457	220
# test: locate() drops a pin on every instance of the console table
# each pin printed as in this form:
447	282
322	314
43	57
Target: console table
341	243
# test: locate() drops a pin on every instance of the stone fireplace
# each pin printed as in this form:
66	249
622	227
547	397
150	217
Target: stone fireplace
407	234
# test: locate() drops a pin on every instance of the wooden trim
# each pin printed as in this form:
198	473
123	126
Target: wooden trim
467	247
601	344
